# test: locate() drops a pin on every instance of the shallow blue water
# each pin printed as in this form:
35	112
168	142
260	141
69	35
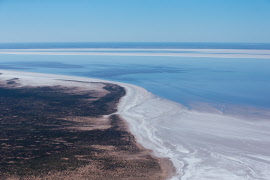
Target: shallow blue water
219	81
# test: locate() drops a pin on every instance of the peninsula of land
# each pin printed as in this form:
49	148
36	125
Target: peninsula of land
62	127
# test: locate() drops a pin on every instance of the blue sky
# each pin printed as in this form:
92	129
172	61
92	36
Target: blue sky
135	21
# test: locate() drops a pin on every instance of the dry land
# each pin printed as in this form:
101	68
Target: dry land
59	130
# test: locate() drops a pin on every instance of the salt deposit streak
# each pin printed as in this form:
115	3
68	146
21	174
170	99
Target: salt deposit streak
200	145
218	53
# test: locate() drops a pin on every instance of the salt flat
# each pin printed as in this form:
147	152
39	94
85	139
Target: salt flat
201	145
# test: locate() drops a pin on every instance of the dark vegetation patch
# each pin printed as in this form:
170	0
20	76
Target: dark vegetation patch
34	138
12	81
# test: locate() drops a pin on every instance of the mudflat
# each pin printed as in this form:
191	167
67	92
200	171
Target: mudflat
58	128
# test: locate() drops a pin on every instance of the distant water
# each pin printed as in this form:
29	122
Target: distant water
146	45
222	83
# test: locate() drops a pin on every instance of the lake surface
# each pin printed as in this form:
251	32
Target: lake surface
202	83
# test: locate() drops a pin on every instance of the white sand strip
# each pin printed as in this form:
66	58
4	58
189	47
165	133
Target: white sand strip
217	53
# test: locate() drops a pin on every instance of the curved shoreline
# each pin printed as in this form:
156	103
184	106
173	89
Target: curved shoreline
140	125
199	145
